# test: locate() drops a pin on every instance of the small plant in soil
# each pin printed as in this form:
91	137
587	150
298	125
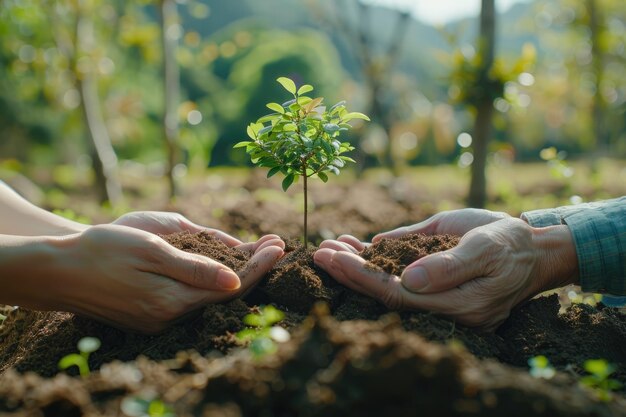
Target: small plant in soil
301	139
540	367
139	407
86	346
599	378
262	332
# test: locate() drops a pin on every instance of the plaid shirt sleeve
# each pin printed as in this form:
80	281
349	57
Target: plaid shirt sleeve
599	232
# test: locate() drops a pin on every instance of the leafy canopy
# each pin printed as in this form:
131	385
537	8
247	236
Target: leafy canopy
301	136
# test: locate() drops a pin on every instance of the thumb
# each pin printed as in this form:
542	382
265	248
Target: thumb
198	271
440	271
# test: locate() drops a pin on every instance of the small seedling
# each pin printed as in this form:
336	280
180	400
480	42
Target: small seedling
86	346
598	379
2	318
301	139
139	407
262	332
540	367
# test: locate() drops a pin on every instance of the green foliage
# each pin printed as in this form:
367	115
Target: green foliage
2	317
300	138
261	333
139	407
540	367
86	346
599	379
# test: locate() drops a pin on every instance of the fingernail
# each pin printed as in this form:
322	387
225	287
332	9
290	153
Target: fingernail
415	279
227	280
323	257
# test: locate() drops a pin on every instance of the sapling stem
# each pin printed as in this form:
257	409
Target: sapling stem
306	205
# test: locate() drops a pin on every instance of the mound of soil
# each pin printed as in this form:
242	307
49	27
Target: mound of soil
350	357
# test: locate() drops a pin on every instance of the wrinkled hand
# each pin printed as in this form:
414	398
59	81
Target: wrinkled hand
133	279
454	222
493	268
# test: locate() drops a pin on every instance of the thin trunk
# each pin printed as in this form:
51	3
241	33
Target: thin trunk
601	138
306	208
484	106
105	161
171	88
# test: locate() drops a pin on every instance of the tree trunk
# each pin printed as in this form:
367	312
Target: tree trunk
601	136
171	89
484	106
105	159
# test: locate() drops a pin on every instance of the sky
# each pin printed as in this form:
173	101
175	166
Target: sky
443	11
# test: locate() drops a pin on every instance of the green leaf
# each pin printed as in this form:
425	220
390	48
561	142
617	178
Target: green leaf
273	172
290	127
276	107
242	144
269	118
288	84
341	103
288	181
247	334
355	115
254	320
251	133
348	159
305	89
331	127
322	176
272	315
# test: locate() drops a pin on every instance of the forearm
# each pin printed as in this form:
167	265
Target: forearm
29	268
20	218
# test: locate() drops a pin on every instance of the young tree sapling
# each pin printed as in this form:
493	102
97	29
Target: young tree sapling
301	139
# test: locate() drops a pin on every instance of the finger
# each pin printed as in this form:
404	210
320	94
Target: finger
355	273
427	227
443	270
252	247
259	265
353	241
195	270
225	238
271	242
338	246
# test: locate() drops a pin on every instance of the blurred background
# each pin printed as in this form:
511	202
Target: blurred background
107	104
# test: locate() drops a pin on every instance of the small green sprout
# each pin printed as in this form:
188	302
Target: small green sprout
86	346
2	317
540	367
262	332
139	407
600	370
301	139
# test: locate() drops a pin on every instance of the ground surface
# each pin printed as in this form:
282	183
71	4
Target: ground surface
350	356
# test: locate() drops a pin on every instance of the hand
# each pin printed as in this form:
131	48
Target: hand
135	280
455	222
493	268
165	223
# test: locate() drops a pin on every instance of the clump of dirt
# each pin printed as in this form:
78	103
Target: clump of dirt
394	255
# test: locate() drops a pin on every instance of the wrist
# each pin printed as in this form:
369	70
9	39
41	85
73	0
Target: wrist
557	264
29	267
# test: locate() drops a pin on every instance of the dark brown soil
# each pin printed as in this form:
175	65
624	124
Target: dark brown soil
355	358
